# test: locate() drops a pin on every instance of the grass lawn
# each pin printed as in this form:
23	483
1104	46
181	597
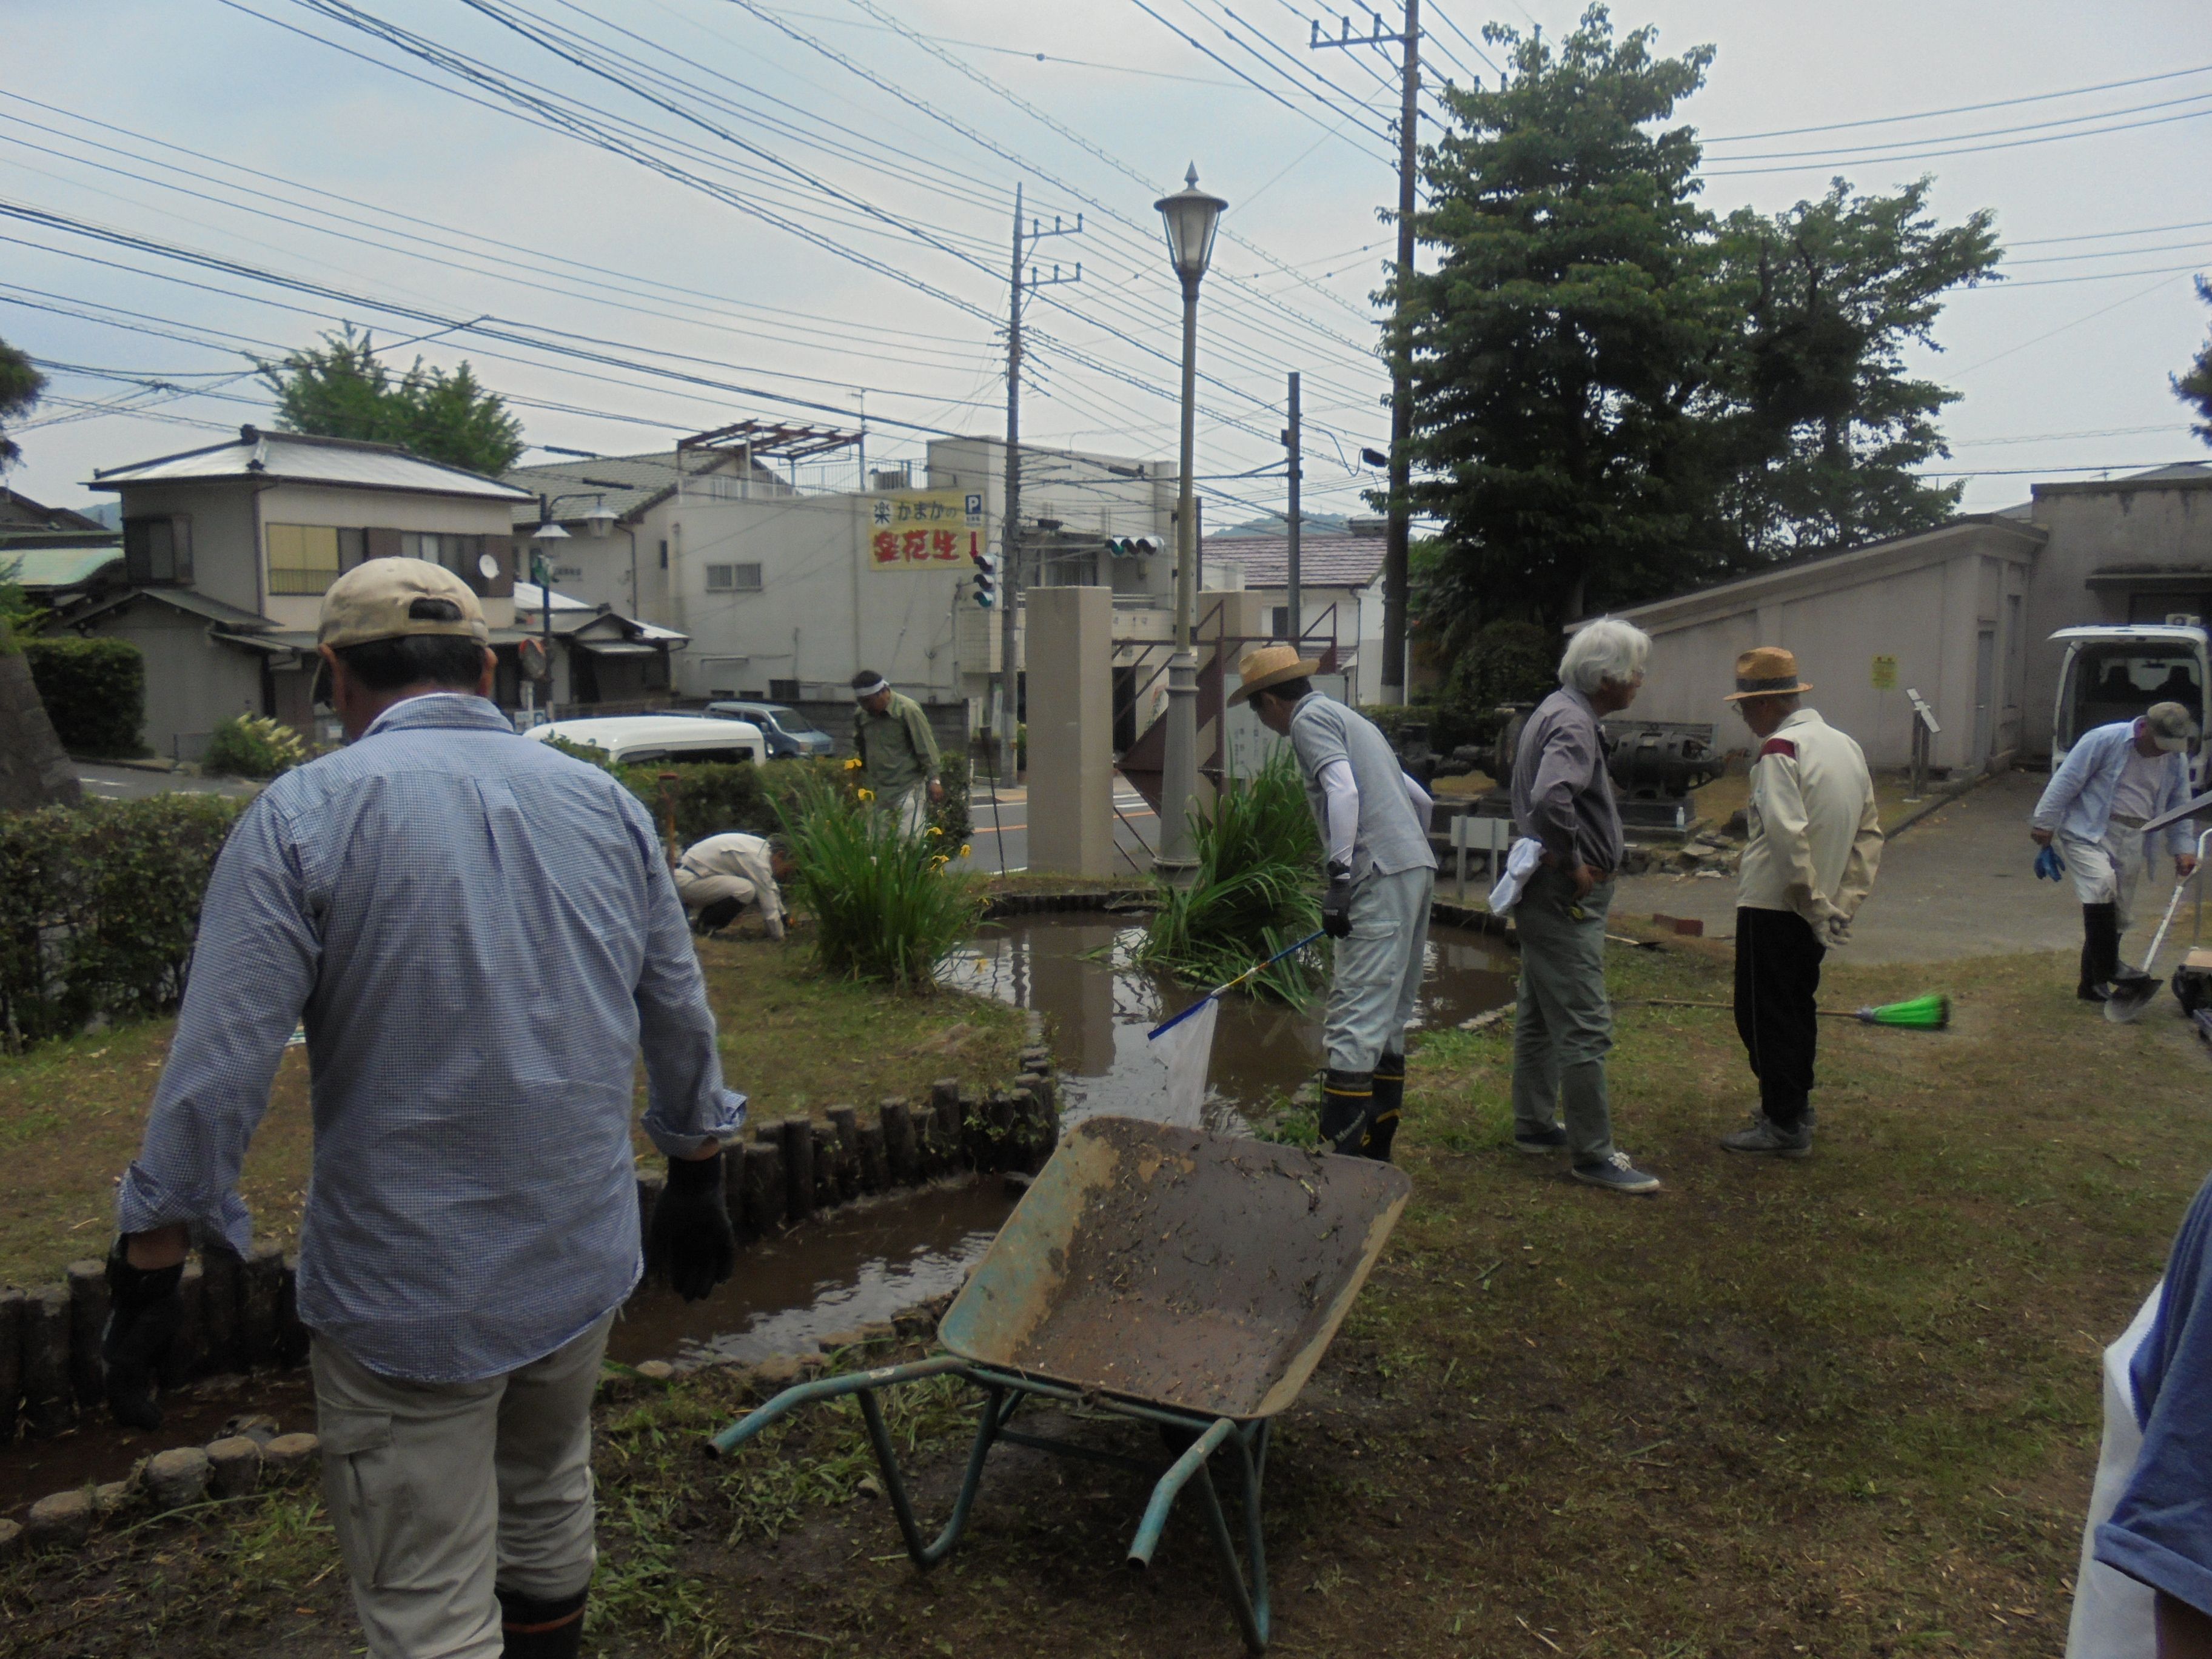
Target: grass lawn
1842	1406
71	1113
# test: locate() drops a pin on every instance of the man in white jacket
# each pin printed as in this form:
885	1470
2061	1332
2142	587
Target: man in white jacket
1815	839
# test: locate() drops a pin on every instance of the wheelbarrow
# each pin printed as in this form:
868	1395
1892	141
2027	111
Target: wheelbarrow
1183	1280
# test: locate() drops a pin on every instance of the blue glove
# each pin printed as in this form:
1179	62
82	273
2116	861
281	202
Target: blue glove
2047	865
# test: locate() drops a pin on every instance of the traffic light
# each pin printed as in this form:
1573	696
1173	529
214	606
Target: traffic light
987	578
1131	547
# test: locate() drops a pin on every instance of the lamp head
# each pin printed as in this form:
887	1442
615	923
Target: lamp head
1190	218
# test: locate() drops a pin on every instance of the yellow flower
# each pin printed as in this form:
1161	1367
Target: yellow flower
867	795
963	849
935	830
853	764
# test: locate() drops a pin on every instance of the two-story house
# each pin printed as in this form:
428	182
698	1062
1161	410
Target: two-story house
227	552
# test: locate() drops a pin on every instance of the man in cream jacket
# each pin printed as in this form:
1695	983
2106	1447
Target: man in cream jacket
1815	838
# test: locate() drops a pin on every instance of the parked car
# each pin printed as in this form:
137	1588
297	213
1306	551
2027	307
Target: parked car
2115	672
789	737
636	739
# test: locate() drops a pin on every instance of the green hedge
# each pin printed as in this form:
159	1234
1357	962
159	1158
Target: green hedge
99	907
94	691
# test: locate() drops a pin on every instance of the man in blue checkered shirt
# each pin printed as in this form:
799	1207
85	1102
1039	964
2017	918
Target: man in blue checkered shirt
480	934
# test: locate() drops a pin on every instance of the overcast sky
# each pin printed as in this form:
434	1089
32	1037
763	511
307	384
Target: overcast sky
855	244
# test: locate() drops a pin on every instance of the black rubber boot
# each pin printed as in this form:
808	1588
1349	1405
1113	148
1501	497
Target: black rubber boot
1390	1098
1348	1102
535	1628
2101	949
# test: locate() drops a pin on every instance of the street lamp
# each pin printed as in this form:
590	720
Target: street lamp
1190	217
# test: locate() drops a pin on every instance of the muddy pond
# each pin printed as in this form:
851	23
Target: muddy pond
869	1259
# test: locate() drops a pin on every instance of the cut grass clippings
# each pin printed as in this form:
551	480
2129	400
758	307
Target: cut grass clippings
1842	1406
793	1039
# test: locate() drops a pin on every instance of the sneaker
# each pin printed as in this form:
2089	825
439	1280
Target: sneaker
1616	1174
1544	1140
1764	1135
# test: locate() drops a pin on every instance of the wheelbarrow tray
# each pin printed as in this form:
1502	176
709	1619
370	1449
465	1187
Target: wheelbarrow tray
1206	1274
1184	1281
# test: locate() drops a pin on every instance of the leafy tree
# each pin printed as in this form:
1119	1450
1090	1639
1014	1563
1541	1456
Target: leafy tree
1570	325
342	389
2196	387
1835	291
20	386
1618	394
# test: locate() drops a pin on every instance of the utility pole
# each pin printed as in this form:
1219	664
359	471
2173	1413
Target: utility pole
1010	568
1293	604
1402	367
1008	531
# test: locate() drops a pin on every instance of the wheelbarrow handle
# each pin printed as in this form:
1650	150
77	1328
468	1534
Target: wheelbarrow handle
827	1387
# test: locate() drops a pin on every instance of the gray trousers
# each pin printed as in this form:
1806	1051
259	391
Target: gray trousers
438	1491
1378	970
1562	1022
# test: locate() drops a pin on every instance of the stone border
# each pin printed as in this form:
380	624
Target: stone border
999	906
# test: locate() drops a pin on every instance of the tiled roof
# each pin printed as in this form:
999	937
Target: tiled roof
297	459
1324	561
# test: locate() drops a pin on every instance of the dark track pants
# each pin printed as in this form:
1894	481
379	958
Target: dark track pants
1778	976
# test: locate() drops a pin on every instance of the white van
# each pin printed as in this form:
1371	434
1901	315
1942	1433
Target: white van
2115	672
641	739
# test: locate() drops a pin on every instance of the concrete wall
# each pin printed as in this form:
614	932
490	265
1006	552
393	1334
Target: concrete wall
192	684
1924	601
2150	525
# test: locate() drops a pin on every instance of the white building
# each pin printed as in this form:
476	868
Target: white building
1339	595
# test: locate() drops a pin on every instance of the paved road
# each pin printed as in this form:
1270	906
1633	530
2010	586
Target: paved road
1959	883
130	783
1001	840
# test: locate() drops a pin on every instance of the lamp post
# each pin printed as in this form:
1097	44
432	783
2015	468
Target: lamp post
1190	217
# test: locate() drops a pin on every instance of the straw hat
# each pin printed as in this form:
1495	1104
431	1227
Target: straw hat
1271	664
1767	670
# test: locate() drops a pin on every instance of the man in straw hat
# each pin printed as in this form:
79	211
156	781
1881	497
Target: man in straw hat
1563	800
480	934
2116	778
1815	839
1374	823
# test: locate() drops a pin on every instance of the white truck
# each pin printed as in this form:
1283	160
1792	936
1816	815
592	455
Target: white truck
2115	672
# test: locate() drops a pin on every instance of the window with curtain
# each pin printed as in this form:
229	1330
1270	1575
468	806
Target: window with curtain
303	558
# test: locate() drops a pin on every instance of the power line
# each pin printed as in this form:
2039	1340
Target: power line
1970	149
1962	109
1987	132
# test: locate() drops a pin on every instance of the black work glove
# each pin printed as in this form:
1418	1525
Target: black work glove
691	1246
1336	904
144	1314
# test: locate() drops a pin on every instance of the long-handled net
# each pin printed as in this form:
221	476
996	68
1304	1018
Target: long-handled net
1932	1012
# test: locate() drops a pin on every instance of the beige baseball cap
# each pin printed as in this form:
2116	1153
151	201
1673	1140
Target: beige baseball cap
391	598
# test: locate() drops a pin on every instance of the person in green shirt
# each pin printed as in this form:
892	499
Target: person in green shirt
897	751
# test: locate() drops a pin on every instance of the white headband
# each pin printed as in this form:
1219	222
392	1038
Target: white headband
874	688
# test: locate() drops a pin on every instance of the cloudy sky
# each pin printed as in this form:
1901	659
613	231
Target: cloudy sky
649	219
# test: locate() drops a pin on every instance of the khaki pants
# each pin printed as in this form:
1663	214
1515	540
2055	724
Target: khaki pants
2106	872
439	1489
909	811
1377	978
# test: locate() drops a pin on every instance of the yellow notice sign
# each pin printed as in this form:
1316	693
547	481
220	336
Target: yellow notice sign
922	529
1884	673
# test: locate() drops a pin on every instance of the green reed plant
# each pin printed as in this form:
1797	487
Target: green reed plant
1255	891
886	906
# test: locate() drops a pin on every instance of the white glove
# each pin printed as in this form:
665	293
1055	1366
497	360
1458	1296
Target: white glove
1836	930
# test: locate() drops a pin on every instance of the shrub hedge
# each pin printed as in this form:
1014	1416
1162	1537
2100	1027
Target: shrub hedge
99	907
94	691
253	746
713	798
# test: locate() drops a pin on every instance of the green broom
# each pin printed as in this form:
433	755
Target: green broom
1932	1012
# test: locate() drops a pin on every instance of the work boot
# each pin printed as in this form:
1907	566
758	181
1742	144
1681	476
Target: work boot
2101	950
1389	1100
539	1627
1764	1135
1347	1101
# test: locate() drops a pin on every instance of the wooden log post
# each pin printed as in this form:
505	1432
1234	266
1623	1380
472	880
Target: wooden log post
260	1295
764	1189
902	1151
11	1361
797	1136
945	1108
875	1174
88	1303
188	1352
846	1120
219	1306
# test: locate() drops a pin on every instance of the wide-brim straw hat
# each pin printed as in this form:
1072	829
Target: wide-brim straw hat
1271	664
1767	670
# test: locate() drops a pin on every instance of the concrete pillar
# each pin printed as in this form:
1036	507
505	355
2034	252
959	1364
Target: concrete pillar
1071	710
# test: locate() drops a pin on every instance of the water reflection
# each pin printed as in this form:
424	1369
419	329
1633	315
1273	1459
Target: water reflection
1077	971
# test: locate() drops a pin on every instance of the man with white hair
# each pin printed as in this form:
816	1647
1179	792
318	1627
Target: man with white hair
1563	799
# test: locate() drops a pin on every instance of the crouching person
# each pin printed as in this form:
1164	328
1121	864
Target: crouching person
471	1224
718	877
